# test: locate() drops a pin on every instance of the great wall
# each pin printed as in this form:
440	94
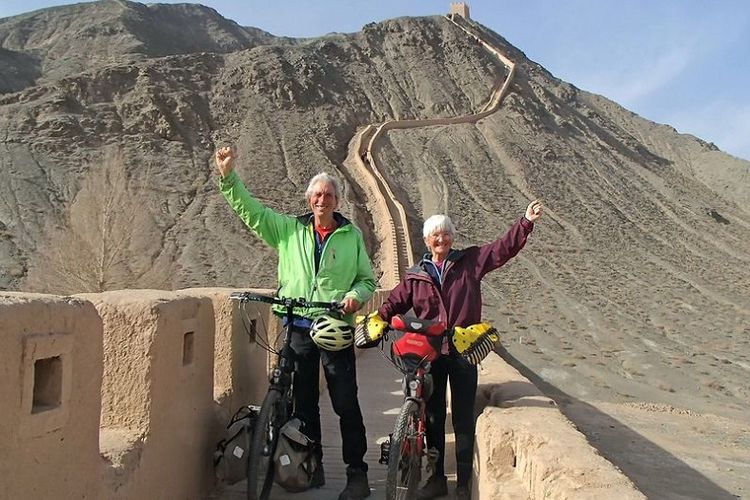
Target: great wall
123	395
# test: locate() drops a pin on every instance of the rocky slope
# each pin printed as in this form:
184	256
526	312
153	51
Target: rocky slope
634	291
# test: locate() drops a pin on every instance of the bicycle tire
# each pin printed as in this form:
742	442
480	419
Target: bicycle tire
404	463
265	439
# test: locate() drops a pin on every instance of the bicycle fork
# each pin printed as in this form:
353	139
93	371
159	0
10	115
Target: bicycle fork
417	440
414	389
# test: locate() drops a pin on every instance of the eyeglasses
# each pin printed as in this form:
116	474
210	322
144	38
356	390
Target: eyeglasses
442	235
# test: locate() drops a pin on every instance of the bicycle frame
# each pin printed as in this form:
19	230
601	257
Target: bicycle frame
282	375
406	446
414	384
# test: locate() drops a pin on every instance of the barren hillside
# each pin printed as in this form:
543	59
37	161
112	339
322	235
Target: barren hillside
631	301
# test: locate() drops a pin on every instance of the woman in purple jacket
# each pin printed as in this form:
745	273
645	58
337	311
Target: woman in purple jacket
445	286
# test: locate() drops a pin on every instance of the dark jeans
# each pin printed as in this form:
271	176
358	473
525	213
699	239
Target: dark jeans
463	380
341	376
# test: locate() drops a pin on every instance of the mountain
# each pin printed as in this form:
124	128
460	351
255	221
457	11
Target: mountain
51	44
632	298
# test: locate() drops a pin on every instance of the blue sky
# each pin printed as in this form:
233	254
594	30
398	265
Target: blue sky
680	62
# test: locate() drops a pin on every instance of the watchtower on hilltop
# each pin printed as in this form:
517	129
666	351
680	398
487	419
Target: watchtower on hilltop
460	8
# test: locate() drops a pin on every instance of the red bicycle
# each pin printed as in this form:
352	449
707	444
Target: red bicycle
412	354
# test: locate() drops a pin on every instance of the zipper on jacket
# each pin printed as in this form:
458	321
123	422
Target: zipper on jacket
439	292
314	274
322	253
437	271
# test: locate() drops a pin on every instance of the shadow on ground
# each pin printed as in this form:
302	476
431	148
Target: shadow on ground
654	470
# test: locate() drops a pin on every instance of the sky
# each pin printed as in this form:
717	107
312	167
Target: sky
685	63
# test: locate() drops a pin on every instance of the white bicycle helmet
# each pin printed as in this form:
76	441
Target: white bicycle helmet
330	333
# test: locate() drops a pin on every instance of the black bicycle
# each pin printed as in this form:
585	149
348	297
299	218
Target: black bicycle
278	405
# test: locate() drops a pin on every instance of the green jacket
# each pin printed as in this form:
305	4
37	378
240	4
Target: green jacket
344	271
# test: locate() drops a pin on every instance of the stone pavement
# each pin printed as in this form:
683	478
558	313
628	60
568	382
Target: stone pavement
380	397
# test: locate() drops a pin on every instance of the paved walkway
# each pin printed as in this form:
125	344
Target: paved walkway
380	397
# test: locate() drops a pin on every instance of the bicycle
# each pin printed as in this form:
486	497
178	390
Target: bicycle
412	354
404	450
278	404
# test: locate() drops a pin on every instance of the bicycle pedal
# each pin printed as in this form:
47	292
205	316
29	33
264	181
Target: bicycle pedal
385	450
432	456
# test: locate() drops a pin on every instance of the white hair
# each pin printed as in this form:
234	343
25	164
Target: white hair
438	223
326	178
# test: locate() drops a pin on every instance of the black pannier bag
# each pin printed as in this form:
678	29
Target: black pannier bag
230	457
294	460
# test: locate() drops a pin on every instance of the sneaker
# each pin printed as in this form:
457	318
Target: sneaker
463	493
436	486
357	486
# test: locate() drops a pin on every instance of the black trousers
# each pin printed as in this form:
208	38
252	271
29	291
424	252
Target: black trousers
463	379
341	376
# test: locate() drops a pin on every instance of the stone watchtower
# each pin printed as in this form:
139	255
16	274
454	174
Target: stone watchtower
460	8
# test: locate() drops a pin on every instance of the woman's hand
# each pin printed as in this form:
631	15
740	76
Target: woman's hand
534	211
224	161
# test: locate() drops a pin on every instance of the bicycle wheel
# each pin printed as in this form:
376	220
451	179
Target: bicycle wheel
265	438
404	461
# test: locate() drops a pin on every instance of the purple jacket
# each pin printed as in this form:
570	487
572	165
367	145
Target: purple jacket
458	302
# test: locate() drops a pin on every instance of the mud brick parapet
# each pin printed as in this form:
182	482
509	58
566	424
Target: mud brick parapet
50	385
157	393
526	448
240	364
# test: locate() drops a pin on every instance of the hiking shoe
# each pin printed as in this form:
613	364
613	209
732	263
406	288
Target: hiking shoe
357	486
436	486
463	493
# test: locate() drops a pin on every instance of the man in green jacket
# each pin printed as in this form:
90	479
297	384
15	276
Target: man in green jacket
322	257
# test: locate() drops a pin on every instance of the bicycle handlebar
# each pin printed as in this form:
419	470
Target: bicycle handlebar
285	301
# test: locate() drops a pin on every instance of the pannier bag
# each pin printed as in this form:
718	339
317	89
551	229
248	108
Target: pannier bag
294	460
230	457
